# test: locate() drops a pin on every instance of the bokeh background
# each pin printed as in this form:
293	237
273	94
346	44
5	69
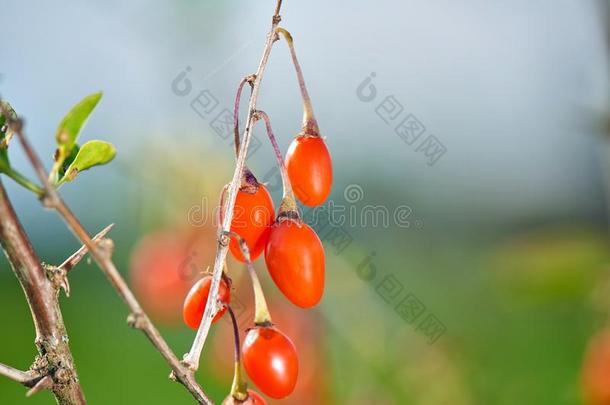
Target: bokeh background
487	288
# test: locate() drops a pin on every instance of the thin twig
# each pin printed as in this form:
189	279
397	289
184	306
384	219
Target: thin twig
138	317
193	356
277	9
77	256
22	377
28	378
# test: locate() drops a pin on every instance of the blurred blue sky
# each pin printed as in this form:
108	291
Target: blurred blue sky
510	88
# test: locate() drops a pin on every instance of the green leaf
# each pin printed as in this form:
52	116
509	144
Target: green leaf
92	153
72	123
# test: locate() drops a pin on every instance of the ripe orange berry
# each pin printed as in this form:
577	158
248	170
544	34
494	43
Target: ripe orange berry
194	303
271	361
252	218
295	259
309	167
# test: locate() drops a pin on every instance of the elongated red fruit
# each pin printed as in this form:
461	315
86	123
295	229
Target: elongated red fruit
295	259
309	167
194	303
271	361
252	219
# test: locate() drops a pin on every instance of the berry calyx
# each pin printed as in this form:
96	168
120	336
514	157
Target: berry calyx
196	299
271	361
295	258
253	398
309	167
252	217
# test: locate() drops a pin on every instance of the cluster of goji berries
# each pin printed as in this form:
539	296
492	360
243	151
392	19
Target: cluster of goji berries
294	254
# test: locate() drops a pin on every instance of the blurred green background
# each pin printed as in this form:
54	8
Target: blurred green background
506	249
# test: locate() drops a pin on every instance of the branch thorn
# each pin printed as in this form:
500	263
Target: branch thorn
45	383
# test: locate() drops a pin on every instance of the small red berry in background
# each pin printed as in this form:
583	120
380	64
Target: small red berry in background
254	398
194	303
596	370
296	262
163	267
309	167
271	361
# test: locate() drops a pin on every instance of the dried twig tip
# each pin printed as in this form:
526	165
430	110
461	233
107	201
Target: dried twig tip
77	256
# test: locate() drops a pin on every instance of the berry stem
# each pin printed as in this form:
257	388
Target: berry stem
239	389
310	124
235	335
248	79
289	203
287	185
261	311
